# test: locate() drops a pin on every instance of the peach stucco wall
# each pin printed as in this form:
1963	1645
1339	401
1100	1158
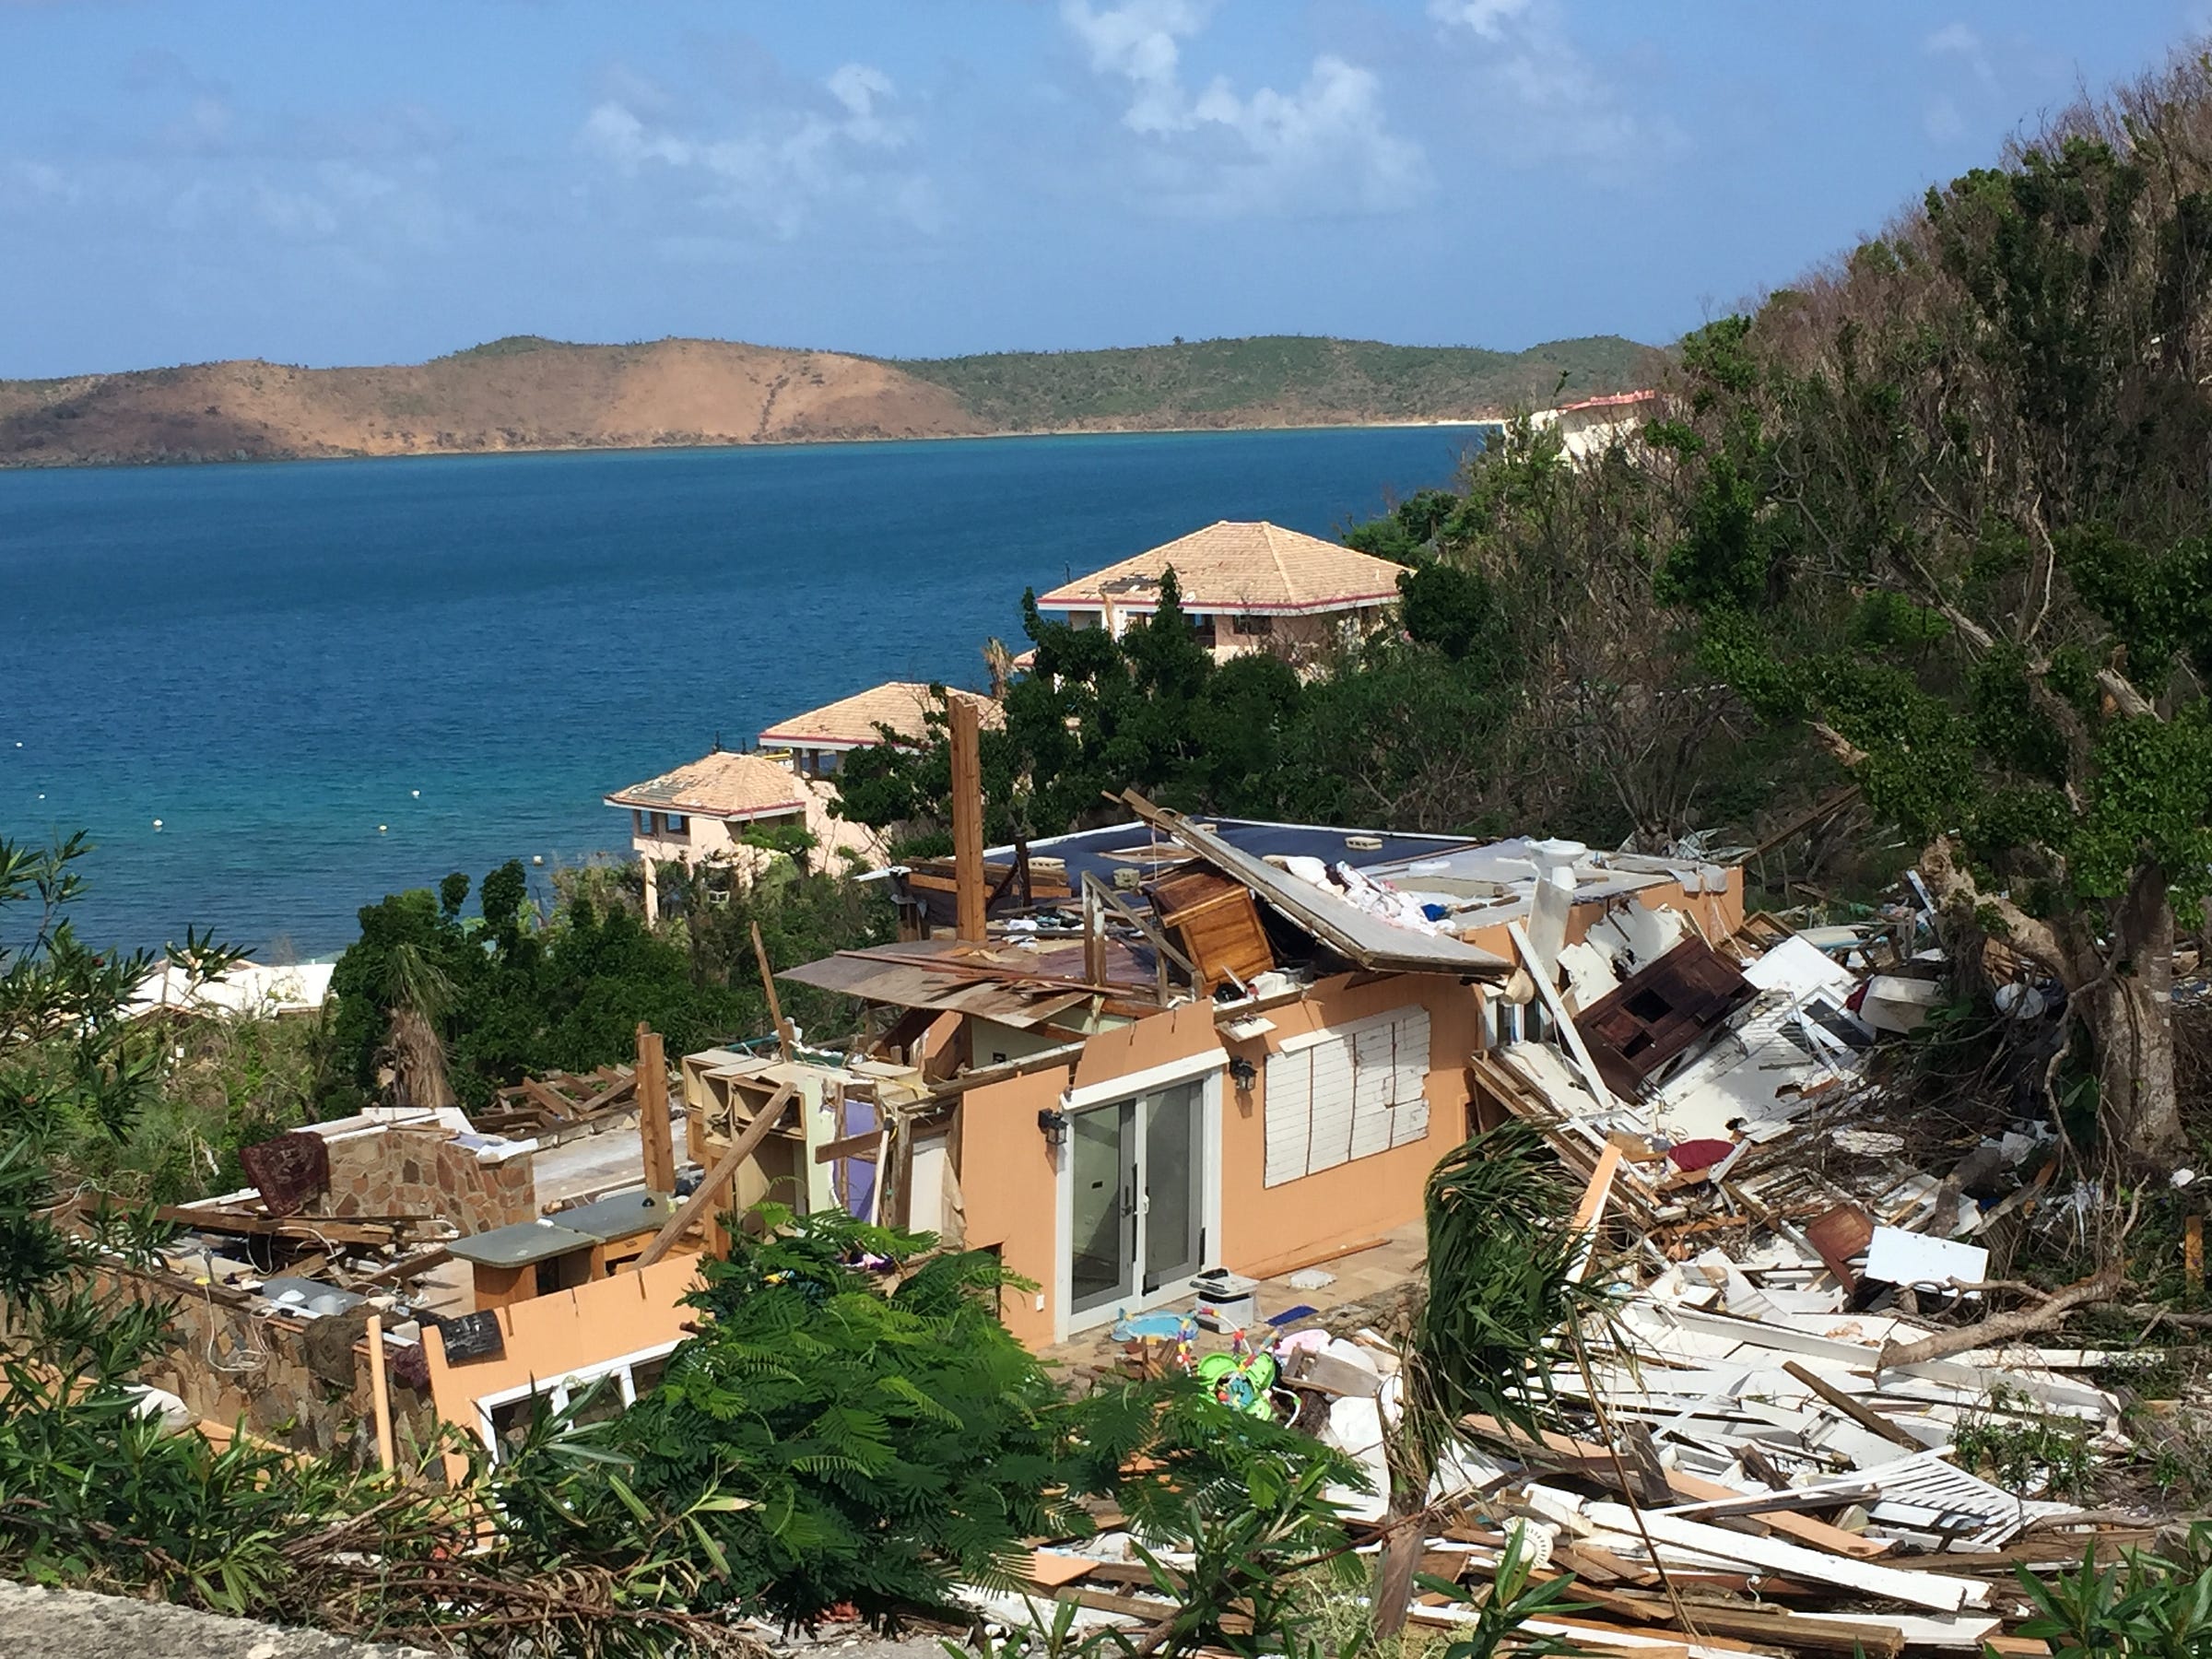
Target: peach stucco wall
1009	1178
1266	1229
548	1336
1009	1191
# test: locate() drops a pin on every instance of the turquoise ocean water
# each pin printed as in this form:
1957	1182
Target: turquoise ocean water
277	660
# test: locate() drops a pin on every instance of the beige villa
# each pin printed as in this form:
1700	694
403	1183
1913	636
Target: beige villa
700	814
1245	587
818	740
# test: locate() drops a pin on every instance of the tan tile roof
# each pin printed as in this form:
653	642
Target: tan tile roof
851	722
722	785
1259	567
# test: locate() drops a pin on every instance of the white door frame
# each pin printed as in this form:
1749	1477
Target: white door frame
1205	1069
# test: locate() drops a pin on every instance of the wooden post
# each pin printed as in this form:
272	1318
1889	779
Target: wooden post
380	1392
1094	935
789	1049
720	1176
967	821
653	1112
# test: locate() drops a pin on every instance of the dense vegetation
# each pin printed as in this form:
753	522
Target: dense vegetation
452	1006
1277	378
1943	511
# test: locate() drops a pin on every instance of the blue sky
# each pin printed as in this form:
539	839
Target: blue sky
321	183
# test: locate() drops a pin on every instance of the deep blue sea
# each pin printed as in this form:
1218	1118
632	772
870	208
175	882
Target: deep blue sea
331	680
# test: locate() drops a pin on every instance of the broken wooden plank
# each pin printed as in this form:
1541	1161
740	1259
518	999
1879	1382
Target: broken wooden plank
1943	1592
1873	1422
724	1170
852	1146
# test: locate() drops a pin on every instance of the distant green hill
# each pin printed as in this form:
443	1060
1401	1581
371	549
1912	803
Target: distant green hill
1277	379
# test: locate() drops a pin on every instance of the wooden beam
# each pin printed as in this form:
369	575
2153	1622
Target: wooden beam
852	1146
546	1100
380	1393
970	904
1129	914
407	1267
720	1176
607	1096
1758	1622
654	1137
775	1004
1873	1422
314	1230
1094	938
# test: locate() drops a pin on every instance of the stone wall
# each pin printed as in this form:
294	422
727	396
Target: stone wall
302	1384
72	1624
406	1171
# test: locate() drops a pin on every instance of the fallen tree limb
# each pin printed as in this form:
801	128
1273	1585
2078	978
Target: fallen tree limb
2157	1315
2104	1286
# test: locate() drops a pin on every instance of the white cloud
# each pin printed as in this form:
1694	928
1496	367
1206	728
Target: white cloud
1956	40
1543	101
1954	37
1944	119
1486	18
1325	147
791	160
1141	43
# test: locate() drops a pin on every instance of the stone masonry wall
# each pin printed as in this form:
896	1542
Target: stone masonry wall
297	1382
402	1172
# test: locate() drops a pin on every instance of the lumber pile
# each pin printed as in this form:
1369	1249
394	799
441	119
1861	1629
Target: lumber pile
561	1105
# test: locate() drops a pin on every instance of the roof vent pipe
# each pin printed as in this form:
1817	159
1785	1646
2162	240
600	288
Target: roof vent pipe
1549	908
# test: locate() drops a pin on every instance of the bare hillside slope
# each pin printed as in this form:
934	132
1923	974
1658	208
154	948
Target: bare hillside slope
525	393
673	391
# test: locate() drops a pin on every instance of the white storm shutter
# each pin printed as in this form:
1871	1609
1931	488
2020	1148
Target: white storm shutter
1374	1088
1338	1095
1333	1080
1288	1109
1410	1089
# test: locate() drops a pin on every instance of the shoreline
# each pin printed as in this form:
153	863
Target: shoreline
14	465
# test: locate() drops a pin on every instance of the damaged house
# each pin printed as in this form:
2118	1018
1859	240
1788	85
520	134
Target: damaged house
1233	1045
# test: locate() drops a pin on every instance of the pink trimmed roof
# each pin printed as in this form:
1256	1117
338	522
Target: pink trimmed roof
1612	400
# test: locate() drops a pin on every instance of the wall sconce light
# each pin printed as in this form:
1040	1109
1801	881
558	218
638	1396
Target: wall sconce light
1243	1073
1054	1124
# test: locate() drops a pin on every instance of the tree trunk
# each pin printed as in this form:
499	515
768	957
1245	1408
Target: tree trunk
2129	1013
2117	969
418	1057
1401	1555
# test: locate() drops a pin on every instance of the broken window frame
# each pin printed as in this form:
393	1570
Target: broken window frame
562	1389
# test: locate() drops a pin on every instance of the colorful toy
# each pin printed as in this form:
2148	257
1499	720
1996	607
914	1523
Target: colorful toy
1241	1378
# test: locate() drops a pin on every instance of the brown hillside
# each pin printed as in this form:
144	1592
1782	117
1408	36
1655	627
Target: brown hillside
553	396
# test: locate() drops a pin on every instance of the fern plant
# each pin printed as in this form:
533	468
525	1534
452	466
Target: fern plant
886	1436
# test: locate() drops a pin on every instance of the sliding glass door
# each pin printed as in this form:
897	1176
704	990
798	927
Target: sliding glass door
1137	1220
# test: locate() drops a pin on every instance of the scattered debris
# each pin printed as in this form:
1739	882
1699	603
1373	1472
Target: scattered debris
1761	1446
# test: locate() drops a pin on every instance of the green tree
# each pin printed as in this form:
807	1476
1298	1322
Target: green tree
1945	512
